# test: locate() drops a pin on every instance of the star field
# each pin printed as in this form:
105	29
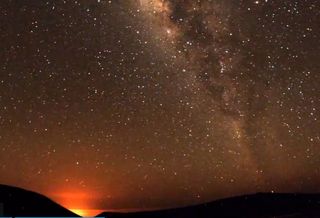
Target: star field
134	105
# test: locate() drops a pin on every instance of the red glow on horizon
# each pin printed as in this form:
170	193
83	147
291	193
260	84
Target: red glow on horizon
79	202
86	212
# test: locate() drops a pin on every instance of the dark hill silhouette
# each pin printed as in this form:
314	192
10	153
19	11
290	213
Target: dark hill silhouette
20	202
261	205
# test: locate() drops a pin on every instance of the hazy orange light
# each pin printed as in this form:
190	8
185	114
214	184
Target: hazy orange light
86	212
79	202
80	212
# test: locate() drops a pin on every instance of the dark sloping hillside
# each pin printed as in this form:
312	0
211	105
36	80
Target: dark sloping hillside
251	206
20	202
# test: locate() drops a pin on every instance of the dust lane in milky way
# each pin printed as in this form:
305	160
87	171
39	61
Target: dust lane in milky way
159	103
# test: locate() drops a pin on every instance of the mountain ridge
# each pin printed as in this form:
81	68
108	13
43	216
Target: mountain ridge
21	202
264	205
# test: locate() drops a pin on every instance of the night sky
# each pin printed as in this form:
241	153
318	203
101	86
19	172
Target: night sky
144	104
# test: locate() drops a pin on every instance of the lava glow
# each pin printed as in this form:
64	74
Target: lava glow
78	202
86	212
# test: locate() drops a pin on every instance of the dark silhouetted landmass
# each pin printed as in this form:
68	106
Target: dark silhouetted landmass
20	202
251	206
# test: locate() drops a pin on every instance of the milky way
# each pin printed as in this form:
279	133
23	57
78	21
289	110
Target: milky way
159	103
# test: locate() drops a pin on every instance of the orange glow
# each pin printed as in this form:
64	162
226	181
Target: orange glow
79	202
86	213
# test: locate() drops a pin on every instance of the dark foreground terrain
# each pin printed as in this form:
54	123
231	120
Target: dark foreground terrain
251	206
20	202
